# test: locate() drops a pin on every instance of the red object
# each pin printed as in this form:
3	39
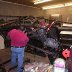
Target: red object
18	38
50	26
66	53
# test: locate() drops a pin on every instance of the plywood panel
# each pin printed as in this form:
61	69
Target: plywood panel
66	13
19	10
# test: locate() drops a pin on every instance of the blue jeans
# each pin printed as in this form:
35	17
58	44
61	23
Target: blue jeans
17	53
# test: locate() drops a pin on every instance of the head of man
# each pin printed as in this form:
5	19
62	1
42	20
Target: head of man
22	28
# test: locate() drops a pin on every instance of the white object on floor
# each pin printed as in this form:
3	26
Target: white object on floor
2	46
59	65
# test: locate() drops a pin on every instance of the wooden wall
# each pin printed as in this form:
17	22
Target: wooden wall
10	9
66	13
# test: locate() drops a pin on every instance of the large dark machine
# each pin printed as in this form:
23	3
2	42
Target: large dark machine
43	40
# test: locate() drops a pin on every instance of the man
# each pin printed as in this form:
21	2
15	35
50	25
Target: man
18	42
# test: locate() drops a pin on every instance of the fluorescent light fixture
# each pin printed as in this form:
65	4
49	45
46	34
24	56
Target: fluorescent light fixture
68	4
53	6
68	25
66	32
57	6
41	1
55	15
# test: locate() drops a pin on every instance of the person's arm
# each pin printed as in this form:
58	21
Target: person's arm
27	39
8	35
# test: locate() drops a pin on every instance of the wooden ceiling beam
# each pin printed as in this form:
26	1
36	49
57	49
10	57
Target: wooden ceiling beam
30	2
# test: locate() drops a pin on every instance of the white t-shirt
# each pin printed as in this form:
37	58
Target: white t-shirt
2	46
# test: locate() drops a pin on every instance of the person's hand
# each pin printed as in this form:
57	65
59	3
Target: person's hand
26	33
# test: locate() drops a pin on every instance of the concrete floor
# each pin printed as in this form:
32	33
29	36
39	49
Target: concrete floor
5	55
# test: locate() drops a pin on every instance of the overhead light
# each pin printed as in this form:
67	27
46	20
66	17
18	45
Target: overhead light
68	4
41	1
53	6
66	32
68	25
55	15
57	6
